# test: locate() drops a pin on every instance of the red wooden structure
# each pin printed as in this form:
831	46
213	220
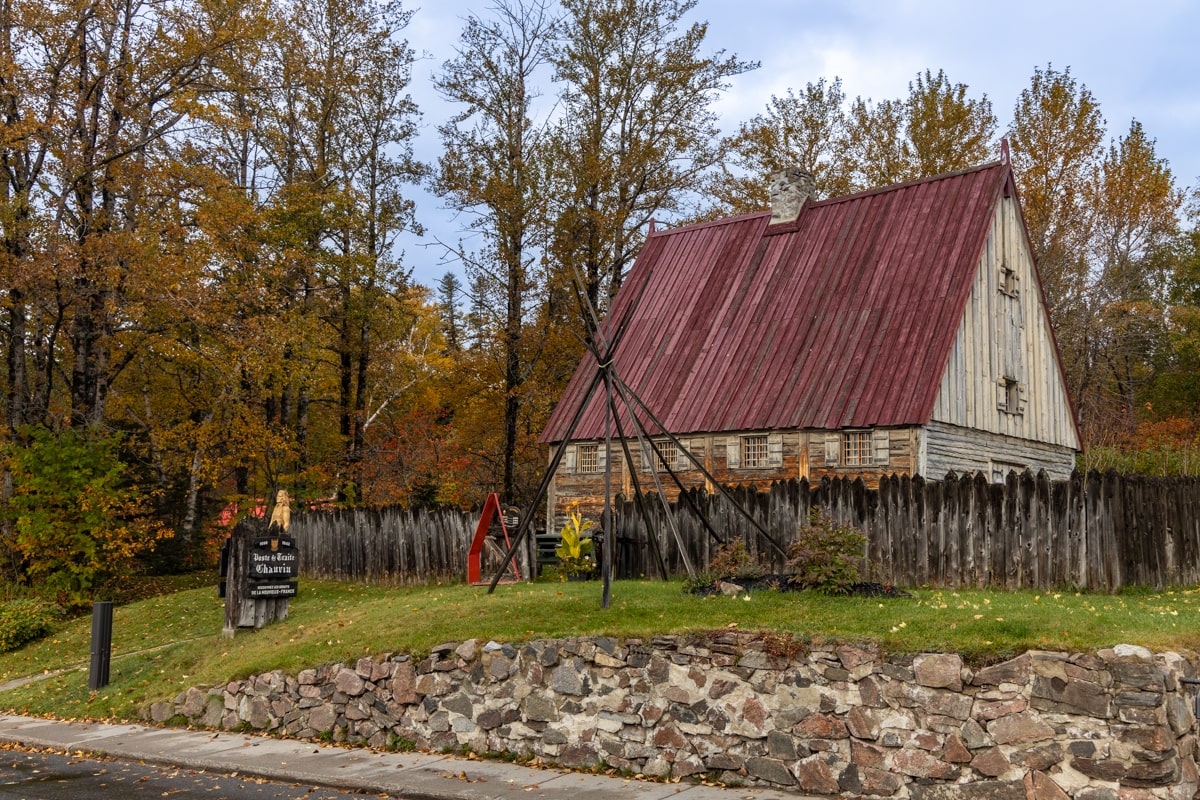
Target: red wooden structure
491	513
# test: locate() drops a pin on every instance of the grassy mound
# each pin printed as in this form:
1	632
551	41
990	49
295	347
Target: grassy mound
165	644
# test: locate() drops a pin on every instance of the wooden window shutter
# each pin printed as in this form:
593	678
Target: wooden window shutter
733	452
775	450
601	457
647	455
881	445
682	462
833	442
1021	398
569	458
1002	394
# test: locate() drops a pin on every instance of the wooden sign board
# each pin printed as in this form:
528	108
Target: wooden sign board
273	558
273	589
262	563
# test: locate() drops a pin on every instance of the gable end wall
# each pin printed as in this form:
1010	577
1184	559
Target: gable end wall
1002	335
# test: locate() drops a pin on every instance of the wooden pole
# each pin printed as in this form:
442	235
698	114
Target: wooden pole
606	517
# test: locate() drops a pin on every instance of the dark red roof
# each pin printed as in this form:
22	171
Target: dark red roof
843	318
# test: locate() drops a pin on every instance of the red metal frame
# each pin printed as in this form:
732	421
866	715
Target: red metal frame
491	510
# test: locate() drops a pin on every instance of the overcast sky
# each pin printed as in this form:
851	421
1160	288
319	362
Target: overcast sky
1140	60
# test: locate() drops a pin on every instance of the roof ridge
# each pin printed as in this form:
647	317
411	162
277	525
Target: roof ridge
692	226
906	184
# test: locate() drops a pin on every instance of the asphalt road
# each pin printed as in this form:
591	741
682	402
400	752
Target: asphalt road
26	775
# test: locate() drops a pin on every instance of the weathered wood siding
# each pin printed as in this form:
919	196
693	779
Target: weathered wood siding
952	449
1005	334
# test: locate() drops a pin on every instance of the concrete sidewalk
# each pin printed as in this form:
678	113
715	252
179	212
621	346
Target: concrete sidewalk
419	776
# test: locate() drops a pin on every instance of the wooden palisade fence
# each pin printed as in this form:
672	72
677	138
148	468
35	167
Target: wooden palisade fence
1098	532
386	545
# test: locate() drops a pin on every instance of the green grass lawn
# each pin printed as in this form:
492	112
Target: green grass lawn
165	644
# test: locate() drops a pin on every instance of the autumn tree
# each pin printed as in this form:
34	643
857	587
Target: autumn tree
1055	135
100	92
1175	391
877	153
1100	222
860	144
494	168
946	129
637	130
937	129
805	130
1136	208
96	201
332	121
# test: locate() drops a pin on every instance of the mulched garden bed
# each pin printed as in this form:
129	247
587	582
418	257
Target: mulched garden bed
783	583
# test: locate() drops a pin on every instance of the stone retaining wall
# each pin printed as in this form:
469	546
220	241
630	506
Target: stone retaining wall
748	709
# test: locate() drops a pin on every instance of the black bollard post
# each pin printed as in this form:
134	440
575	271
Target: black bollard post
102	611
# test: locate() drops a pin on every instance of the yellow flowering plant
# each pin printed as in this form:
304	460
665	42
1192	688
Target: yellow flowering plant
574	550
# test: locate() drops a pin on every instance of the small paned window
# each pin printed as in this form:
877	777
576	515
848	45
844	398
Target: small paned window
669	456
754	451
856	448
589	458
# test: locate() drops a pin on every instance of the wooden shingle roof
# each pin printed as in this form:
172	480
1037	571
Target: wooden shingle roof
843	318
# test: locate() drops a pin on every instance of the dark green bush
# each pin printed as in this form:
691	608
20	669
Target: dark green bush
77	522
825	555
24	620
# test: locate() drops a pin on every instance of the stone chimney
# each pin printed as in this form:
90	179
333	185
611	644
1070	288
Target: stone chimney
787	190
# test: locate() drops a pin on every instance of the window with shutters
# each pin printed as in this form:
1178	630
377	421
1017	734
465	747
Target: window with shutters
682	463
1009	284
856	448
588	458
669	455
1011	396
754	451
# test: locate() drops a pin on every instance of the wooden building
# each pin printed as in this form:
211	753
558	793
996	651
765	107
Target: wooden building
899	330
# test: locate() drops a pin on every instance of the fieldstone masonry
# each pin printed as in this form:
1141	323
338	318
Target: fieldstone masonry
839	721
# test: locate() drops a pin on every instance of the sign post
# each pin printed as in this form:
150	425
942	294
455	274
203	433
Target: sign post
102	615
263	563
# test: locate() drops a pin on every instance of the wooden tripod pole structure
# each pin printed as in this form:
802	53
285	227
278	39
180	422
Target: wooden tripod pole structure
603	349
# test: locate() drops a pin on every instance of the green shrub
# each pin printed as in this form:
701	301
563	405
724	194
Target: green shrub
77	522
399	744
700	583
24	620
825	556
733	560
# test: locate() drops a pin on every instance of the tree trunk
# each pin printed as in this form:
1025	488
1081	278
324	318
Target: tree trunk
17	382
